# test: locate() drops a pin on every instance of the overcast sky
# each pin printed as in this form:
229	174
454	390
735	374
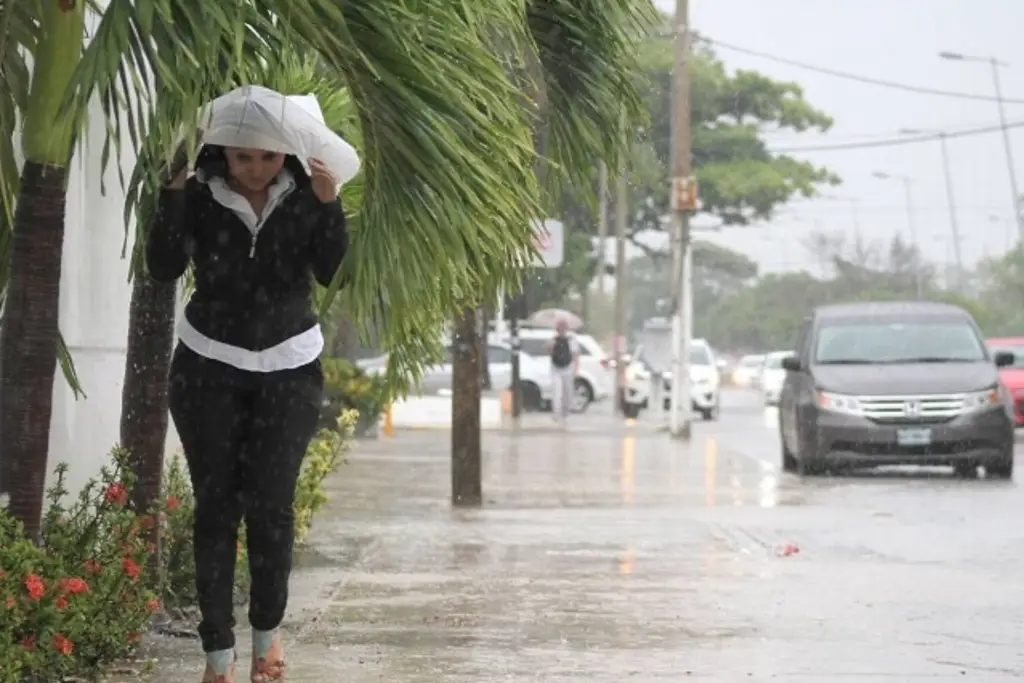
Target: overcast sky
894	40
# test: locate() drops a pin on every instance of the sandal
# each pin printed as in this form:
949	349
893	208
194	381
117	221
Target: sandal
267	657
220	667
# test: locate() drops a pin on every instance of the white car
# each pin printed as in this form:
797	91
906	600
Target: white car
638	383
533	372
704	381
593	383
773	376
748	370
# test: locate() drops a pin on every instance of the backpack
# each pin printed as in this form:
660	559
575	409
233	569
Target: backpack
561	354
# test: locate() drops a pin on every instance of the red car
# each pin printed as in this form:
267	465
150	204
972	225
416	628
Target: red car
1012	376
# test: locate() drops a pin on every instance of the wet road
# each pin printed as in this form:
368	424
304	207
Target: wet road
608	552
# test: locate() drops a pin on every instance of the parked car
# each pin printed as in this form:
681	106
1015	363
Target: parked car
891	384
594	381
534	374
747	370
704	381
772	377
1012	376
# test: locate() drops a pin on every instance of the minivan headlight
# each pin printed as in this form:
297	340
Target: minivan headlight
838	403
979	400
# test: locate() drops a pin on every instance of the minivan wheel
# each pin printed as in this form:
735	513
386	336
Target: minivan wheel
1000	468
808	465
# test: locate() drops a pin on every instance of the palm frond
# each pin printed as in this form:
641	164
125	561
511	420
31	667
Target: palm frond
587	51
447	150
446	145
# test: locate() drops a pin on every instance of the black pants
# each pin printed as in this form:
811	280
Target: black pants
244	436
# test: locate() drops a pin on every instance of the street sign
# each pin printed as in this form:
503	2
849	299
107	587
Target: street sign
684	194
549	241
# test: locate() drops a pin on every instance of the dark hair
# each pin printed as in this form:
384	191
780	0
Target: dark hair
214	164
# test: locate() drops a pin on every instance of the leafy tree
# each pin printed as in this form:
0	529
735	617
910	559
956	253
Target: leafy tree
740	179
448	153
766	314
718	273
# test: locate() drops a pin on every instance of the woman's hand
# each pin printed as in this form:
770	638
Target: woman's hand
324	182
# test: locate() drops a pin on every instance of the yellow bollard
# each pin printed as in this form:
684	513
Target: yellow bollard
389	425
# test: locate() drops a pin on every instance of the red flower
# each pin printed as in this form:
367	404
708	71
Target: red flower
10	603
147	522
173	503
74	585
62	645
116	494
153	605
29	642
131	569
34	586
93	566
61	602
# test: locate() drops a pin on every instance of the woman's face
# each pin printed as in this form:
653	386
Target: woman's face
253	169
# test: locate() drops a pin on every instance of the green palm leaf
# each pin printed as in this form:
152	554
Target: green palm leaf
587	53
446	146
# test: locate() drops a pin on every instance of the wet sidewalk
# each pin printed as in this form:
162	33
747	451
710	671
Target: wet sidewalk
540	584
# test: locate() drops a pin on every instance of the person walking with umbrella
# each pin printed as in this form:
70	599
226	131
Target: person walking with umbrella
259	224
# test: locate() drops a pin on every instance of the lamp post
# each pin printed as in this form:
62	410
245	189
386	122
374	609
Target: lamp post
995	65
954	227
911	226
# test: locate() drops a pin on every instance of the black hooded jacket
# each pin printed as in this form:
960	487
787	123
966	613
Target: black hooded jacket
252	290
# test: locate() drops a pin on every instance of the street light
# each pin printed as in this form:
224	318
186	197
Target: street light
995	64
947	170
907	180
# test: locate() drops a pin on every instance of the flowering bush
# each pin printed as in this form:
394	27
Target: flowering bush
325	454
76	603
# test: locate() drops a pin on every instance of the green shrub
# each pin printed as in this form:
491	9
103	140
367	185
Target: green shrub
348	387
75	604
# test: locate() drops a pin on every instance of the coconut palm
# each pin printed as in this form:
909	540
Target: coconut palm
446	147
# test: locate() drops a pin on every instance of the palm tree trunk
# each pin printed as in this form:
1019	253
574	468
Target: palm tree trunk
467	486
486	314
144	395
28	340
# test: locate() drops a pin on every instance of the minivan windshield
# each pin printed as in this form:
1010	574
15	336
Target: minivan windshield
902	341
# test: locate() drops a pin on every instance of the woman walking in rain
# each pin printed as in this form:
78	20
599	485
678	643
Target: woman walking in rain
245	381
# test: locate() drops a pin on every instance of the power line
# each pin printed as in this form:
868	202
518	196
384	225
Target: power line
921	90
894	142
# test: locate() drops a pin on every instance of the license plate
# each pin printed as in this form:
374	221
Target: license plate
914	437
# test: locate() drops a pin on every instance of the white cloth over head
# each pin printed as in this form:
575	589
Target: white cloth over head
260	118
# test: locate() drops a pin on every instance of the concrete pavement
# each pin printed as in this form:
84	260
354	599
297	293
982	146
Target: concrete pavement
608	552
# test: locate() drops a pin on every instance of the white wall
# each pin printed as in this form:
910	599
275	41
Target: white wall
95	295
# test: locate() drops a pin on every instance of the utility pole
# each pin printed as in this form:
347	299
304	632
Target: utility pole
683	203
621	219
602	226
1008	146
995	65
954	227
